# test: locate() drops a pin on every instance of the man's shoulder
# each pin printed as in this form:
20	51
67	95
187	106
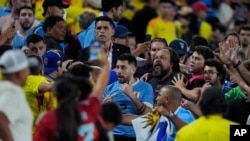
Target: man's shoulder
9	88
7	84
115	45
38	29
37	78
119	47
147	84
113	85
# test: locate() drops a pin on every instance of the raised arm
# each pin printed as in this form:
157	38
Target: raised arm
103	77
193	94
5	133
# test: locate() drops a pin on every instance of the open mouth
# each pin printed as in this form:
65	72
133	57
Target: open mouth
158	67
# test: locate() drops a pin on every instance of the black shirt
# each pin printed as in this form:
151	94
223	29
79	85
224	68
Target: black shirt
238	111
157	84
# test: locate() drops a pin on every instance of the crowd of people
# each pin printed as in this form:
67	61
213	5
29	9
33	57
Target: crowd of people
123	70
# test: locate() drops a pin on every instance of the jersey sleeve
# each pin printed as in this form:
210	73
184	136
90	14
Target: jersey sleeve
148	96
34	83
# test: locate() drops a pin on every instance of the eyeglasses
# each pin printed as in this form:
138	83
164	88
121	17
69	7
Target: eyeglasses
210	72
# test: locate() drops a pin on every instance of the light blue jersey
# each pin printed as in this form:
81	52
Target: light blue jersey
185	115
38	29
88	36
18	41
144	93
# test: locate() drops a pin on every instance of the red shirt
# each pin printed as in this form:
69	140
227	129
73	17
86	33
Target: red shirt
89	110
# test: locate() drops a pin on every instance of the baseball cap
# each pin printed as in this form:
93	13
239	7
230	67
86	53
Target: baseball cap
200	6
179	46
121	31
58	3
13	61
52	59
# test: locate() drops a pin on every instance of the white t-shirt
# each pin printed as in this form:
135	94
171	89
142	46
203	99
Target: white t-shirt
14	105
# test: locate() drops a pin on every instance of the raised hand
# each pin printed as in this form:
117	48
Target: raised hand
179	81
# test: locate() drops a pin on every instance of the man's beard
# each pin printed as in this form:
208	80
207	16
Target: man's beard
160	73
123	80
25	26
116	18
245	44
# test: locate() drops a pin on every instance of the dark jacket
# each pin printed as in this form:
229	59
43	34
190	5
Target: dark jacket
117	51
51	43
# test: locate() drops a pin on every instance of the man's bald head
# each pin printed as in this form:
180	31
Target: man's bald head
173	92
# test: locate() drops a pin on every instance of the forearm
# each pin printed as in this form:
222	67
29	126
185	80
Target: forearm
136	52
102	80
195	110
238	78
193	94
5	133
177	122
127	119
140	106
44	87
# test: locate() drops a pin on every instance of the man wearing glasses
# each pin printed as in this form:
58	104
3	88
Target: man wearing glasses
214	74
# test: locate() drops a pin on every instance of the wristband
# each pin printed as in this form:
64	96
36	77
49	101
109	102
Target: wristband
141	109
171	114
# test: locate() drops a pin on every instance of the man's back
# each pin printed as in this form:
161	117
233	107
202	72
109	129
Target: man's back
87	37
210	128
14	105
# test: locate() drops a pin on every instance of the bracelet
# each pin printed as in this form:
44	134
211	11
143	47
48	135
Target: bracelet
171	114
142	108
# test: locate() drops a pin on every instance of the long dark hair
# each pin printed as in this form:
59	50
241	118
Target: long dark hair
69	90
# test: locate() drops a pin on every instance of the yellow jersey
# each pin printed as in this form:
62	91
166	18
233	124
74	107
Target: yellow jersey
38	102
164	29
211	128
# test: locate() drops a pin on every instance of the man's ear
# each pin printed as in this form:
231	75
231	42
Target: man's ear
112	31
49	29
113	10
134	69
49	10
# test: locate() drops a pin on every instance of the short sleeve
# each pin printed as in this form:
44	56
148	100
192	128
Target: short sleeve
12	102
148	96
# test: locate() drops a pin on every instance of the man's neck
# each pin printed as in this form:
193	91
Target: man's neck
173	106
132	81
107	46
166	18
218	85
23	32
